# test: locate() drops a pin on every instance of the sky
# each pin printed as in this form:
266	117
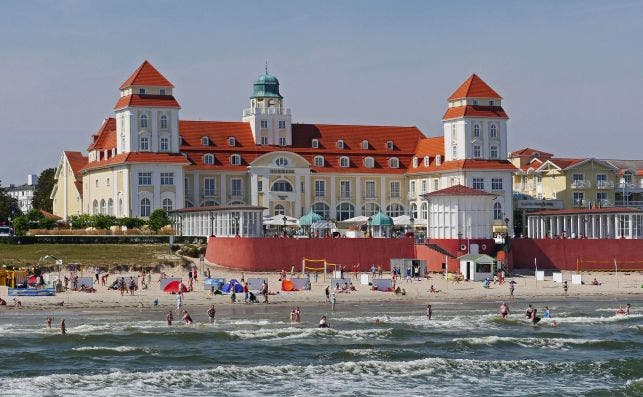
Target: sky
570	72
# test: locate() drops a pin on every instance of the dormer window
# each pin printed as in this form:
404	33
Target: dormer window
344	162
415	162
427	161
208	159
141	91
235	159
143	121
369	162
315	143
281	161
318	161
438	159
394	162
389	145
164	122
232	141
162	91
340	144
365	145
474	102
476	130
205	141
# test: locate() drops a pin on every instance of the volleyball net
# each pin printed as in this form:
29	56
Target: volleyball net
614	265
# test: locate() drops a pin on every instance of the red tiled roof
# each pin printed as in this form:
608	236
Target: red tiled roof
139	157
459	190
76	161
146	100
49	215
529	152
491	165
105	137
475	111
474	87
574	211
146	75
431	147
563	163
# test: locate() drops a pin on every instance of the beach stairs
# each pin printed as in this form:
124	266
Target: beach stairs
441	250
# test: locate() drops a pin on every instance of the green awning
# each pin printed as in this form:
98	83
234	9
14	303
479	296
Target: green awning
309	218
381	219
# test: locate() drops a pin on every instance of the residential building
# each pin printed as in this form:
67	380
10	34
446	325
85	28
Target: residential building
24	193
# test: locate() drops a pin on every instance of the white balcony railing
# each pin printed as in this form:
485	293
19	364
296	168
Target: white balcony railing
581	184
605	184
264	111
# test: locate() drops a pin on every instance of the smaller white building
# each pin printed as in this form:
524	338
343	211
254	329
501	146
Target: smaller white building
596	223
220	221
24	193
477	267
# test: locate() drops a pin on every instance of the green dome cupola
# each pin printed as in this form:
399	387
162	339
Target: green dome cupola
266	86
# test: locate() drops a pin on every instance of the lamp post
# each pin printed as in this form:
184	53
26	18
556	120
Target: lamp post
506	228
180	225
459	241
284	219
624	201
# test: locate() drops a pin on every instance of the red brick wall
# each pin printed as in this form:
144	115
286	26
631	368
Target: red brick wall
567	254
274	254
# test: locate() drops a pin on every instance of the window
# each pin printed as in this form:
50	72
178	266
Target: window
497	211
345	211
390	145
163	122
345	189
340	144
264	140
167	204
186	186
601	198
493	132
103	207
314	143
369	162
601	178
167	178
165	144
282	141
145	207
319	161
144	178
120	207
477	152
436	184
209	187
344	162
414	211
144	143
232	141
282	185
143	121
394	162
260	186
162	91
438	159
415	162
395	210
454	135
281	161
427	161
478	183
320	188
110	207
322	210
412	187
476	130
492	103
627	176
578	197
302	187
493	152
395	189
496	183
424	210
208	159
96	183
578	177
264	123
370	189
141	91
282	124
205	141
236	189
424	189
370	209
235	159
474	102
365	145
95	207
454	152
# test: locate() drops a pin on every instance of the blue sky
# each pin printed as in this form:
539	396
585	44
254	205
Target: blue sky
571	72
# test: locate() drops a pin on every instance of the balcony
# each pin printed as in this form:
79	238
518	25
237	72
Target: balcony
581	184
369	197
604	184
236	195
628	203
266	111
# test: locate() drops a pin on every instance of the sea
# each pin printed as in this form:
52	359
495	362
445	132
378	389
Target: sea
372	349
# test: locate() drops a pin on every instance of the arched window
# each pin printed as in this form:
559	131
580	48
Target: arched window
103	207
208	159
210	203
394	210
427	161
365	144
492	130
345	211
95	207
415	162
390	145
281	161
370	209
414	211
424	211
497	211
321	209
369	162
340	144
205	141
344	162
280	210
167	204
164	122
476	130
235	159
394	162
282	185
232	141
110	207
319	161
143	121
146	207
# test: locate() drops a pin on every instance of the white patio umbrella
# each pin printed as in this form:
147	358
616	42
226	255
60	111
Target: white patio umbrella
402	220
278	220
357	219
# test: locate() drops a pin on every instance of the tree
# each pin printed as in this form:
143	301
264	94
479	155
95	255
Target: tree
9	207
158	219
33	219
43	190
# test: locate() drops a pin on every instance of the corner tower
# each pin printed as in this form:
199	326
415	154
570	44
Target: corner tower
475	125
269	120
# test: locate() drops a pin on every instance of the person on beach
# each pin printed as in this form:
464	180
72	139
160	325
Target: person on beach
63	327
627	309
333	300
245	292
554	324
212	312
3	302
264	291
233	295
186	318
96	274
122	286
48	322
511	289
433	290
327	294
534	318
179	302
169	317
529	311
298	314
546	313
429	312
565	288
292	316
132	285
323	322
504	310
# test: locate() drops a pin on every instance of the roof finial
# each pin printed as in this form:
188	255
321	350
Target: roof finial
266	66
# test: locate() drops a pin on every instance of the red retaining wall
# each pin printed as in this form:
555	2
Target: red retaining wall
568	254
274	254
435	259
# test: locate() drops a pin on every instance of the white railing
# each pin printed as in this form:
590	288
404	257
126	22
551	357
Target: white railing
581	184
605	184
272	110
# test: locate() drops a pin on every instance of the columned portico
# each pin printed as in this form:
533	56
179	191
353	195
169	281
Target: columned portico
596	223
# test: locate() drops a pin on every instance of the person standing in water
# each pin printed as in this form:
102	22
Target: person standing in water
429	312
333	300
323	323
565	288
169	317
298	314
546	313
327	294
511	289
49	320
504	310
186	318
529	312
179	302
211	313
534	318
63	327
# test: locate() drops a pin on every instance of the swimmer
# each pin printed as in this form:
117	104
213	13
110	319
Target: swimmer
504	310
323	323
298	314
554	324
169	317
620	311
48	322
211	313
63	327
529	312
429	312
534	318
627	309
292	316
186	318
546	314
